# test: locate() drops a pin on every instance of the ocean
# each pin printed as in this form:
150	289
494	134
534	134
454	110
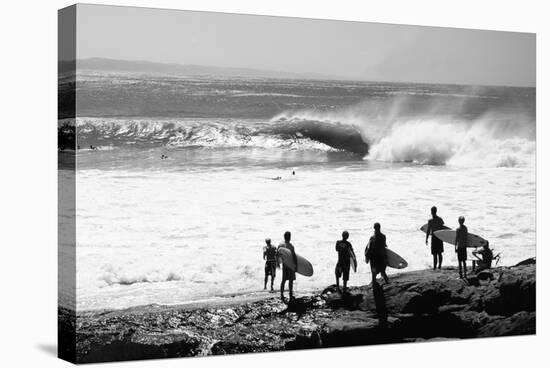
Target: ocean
180	179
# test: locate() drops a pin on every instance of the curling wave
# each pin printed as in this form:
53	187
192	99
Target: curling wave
285	134
400	131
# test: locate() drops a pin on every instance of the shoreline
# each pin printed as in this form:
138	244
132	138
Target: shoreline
414	306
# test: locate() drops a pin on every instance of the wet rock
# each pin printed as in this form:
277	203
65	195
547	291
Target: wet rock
353	328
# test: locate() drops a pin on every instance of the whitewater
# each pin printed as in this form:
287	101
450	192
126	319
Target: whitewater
192	226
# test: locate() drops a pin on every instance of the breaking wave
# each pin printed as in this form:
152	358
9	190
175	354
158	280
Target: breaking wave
398	131
435	143
284	134
401	132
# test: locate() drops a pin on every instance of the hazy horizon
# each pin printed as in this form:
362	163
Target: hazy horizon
344	50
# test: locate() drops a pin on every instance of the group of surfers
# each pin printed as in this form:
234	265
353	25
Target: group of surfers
375	254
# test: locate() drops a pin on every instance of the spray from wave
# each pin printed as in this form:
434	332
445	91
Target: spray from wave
439	133
456	144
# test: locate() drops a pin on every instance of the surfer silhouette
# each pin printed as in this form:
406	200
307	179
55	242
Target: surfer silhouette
345	252
270	257
375	253
486	259
434	224
461	243
288	273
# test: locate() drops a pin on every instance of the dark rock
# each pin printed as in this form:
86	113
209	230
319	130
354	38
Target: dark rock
521	323
484	276
146	346
528	261
473	281
353	328
415	306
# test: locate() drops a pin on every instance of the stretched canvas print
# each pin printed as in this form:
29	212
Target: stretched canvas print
235	184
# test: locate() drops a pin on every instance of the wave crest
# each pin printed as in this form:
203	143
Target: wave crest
284	134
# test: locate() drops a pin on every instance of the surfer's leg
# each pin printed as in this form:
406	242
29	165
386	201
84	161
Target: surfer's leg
283	289
345	276
373	273
435	261
440	258
290	289
337	274
386	279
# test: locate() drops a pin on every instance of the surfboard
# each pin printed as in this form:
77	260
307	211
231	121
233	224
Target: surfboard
448	236
303	268
353	262
395	260
424	228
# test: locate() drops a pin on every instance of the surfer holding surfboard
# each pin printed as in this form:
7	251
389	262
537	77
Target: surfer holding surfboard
289	273
375	253
434	224
346	256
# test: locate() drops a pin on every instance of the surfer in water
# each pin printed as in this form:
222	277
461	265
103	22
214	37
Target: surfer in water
461	243
345	252
434	224
375	253
288	273
270	257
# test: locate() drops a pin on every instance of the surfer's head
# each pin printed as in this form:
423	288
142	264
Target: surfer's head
287	236
461	220
268	241
434	210
345	235
376	226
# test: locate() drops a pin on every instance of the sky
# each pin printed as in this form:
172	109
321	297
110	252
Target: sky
336	49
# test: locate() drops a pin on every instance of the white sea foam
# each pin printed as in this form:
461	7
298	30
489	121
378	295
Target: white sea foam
435	143
146	236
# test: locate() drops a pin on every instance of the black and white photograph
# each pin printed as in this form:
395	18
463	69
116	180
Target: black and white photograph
232	183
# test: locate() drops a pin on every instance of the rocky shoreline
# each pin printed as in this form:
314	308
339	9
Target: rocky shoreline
414	306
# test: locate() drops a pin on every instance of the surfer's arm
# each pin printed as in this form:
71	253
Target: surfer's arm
456	239
476	253
428	232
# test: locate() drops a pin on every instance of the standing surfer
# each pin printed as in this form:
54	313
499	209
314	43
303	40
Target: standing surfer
345	253
434	224
375	253
270	257
288	273
461	243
